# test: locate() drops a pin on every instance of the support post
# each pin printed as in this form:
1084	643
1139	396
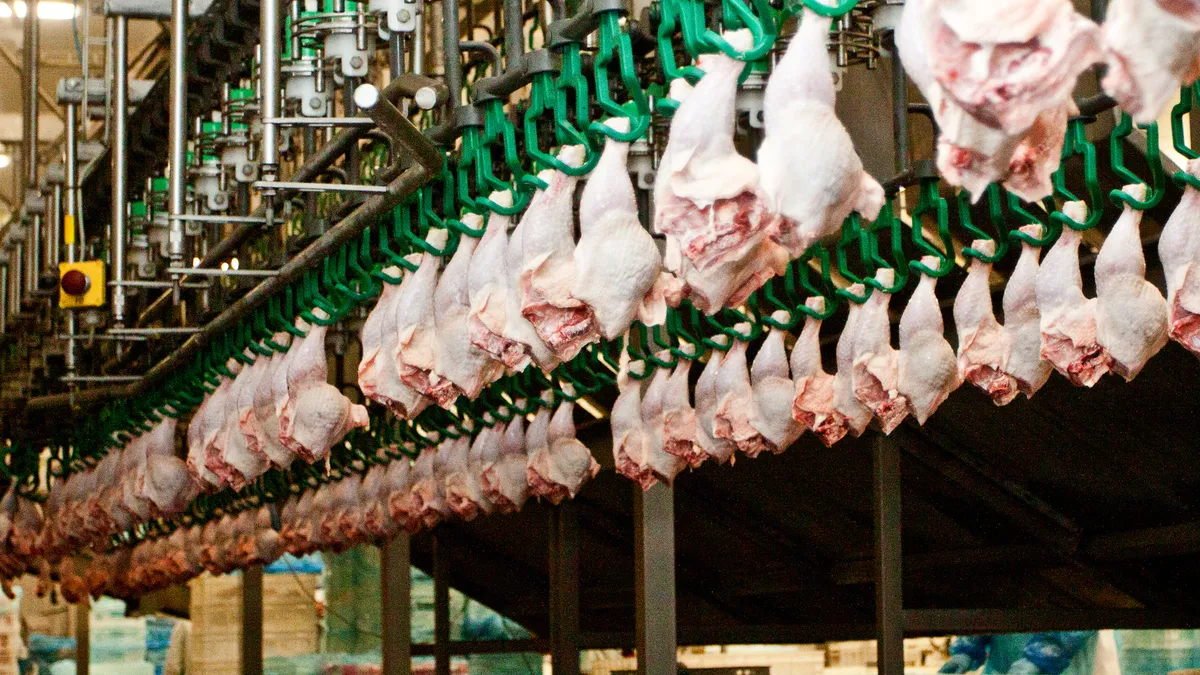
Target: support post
252	621
83	639
30	59
889	598
441	608
120	159
177	177
654	535
397	606
564	589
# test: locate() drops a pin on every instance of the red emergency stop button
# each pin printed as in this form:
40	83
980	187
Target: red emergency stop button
74	282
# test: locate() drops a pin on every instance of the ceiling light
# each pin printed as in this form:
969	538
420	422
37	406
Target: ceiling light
234	263
5	161
49	10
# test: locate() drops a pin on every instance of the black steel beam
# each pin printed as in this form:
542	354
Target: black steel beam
466	647
564	589
252	621
654	582
1154	542
862	571
396	586
441	609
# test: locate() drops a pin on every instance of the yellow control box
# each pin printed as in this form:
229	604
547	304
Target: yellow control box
88	291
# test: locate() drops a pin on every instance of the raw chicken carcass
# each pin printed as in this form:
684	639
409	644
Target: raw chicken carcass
616	261
428	489
679	418
378	373
559	464
774	391
660	465
876	369
1131	314
983	344
272	386
1068	318
316	414
737	415
1179	250
488	284
630	445
516	327
811	176
397	488
813	404
464	487
856	414
719	449
505	480
928	367
1153	46
563	322
416	351
706	195
728	283
205	422
166	482
459	361
1023	320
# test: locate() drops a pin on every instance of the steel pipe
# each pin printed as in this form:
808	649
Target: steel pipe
514	30
451	34
269	87
33	253
31	49
71	152
120	157
395	124
178	129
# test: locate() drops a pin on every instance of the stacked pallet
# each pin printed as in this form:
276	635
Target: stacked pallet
290	624
10	635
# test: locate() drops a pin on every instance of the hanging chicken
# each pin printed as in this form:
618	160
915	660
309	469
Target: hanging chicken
1153	46
774	391
984	346
813	402
876	373
1179	250
1023	319
810	174
928	368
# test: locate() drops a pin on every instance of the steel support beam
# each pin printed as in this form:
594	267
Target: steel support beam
120	170
441	608
396	584
654	553
178	131
83	637
252	621
889	595
564	589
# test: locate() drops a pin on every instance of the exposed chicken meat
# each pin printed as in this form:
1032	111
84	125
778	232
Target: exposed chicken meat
813	402
737	413
1131	314
563	322
228	455
811	176
660	464
728	283
316	414
464	484
26	526
377	522
516	327
559	464
416	351
1068	318
488	283
928	366
1153	46
983	344
774	392
1023	320
398	485
876	373
706	195
378	373
505	481
204	425
1179	250
999	79
616	261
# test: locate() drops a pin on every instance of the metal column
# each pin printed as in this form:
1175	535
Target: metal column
83	637
120	159
654	543
29	72
252	621
453	53
397	605
564	589
69	225
889	597
441	608
269	74
178	130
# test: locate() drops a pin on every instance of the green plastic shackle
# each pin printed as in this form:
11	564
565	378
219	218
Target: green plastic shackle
1157	185
995	216
1076	144
852	233
1188	97
615	44
1051	228
931	202
888	221
572	86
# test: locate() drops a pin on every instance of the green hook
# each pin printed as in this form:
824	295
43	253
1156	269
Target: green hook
572	86
930	201
1051	228
1188	96
616	43
899	263
1157	185
995	215
1077	144
852	233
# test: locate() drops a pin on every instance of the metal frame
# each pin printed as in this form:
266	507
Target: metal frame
889	594
252	621
654	536
564	589
396	586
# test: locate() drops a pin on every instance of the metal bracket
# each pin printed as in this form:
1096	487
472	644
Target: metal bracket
70	91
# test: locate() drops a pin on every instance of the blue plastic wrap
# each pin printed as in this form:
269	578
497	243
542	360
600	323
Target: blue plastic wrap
290	564
1052	653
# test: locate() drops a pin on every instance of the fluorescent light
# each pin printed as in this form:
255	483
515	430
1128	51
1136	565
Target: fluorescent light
234	263
195	262
5	161
49	10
